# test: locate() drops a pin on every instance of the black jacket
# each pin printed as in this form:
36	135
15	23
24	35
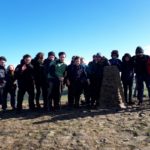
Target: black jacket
140	64
100	67
25	78
10	80
76	74
2	76
127	71
39	71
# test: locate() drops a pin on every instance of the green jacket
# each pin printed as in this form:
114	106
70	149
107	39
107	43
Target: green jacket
60	69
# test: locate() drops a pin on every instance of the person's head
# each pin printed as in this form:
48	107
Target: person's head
139	51
2	61
98	57
11	68
39	56
51	55
114	54
27	59
72	59
126	57
77	61
94	58
62	56
82	60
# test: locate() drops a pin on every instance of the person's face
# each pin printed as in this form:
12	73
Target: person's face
114	56
2	63
51	57
27	60
82	61
139	54
127	58
94	58
77	62
99	58
62	57
11	68
41	58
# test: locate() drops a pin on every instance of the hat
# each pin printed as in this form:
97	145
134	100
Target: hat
115	52
51	54
139	50
3	58
98	55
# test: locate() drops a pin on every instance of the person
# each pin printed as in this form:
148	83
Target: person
76	76
24	74
91	74
60	75
97	77
40	79
49	65
127	75
115	61
2	77
10	88
70	96
86	85
140	66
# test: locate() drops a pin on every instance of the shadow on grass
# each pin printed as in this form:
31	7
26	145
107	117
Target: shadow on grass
67	114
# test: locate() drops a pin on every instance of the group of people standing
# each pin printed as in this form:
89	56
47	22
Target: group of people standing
49	76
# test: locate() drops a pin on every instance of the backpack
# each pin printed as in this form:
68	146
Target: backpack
148	66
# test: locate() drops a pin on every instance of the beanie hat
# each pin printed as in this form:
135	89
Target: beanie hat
139	50
115	52
3	58
51	54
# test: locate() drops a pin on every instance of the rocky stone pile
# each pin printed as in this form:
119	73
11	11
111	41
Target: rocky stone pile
111	94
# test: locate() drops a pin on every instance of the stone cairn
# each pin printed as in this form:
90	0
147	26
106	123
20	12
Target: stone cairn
111	94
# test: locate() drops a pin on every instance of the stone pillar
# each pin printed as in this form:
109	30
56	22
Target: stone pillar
111	94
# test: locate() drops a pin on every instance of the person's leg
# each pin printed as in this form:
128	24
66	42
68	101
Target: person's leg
1	95
49	95
71	95
37	96
86	91
147	82
44	94
57	94
98	91
130	92
78	91
21	92
4	94
140	88
30	91
93	92
125	87
13	98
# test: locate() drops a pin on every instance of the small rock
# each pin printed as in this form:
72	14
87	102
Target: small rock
141	114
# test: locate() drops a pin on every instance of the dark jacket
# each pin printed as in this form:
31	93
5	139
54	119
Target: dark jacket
140	64
92	69
76	74
2	76
49	67
39	71
116	62
25	78
100	67
10	80
127	71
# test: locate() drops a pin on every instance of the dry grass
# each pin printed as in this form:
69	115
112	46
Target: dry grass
80	129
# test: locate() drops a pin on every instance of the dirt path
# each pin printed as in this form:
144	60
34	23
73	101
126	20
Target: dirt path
76	130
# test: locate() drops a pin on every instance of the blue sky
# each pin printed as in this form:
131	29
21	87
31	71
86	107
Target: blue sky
78	27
